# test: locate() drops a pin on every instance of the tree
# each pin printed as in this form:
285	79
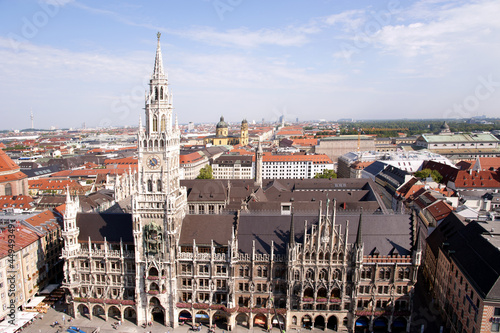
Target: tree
205	172
327	173
425	173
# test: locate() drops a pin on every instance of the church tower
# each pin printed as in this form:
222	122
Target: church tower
160	203
244	133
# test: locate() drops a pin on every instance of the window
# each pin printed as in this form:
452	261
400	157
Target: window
186	268
203	269
497	312
221	270
495	327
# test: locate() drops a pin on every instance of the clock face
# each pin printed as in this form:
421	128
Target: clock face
153	162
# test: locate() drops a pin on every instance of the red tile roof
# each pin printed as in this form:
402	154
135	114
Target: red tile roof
242	152
477	179
9	170
190	158
45	184
488	163
16	201
88	172
46	220
305	142
122	161
439	210
24	236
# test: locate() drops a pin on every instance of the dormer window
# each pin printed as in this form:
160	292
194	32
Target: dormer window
286	208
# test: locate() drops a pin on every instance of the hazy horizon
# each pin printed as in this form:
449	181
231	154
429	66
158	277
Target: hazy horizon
72	62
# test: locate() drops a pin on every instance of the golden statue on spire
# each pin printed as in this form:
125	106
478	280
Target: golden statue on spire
158	35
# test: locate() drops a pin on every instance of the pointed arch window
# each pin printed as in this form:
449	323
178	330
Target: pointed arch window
155	124
156	93
158	185
161	93
163	123
150	185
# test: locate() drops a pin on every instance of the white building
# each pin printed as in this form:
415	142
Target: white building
233	167
294	166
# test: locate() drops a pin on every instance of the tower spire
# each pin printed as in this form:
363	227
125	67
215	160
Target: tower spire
291	241
158	70
258	165
359	240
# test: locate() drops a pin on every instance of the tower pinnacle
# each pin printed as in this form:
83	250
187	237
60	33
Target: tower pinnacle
158	70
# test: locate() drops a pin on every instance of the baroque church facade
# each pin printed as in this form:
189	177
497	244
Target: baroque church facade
223	138
289	253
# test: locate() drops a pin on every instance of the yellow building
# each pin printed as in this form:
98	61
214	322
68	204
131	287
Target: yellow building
222	137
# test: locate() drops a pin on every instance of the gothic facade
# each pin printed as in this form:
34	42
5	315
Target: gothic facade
292	253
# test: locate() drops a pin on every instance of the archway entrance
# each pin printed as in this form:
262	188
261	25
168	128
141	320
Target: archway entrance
98	311
219	320
399	325
278	320
242	320
319	322
362	325
130	315
114	312
380	324
83	310
332	323
306	322
185	316
202	318
260	320
158	315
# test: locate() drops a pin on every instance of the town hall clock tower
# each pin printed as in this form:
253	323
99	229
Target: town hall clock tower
160	203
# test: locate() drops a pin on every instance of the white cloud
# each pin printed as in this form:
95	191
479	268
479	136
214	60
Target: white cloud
442	30
246	38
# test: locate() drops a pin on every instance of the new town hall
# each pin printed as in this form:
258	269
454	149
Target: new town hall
299	253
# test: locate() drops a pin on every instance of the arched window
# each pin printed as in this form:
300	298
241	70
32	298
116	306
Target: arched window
264	272
296	275
407	273
163	122
156	93
155	124
323	275
161	93
158	185
145	144
310	274
8	189
150	185
241	271
259	271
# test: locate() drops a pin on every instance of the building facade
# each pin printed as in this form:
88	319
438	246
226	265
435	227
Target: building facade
251	252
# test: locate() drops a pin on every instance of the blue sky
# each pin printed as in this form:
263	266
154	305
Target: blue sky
89	61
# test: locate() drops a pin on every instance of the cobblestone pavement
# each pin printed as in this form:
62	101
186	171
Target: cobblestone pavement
45	325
